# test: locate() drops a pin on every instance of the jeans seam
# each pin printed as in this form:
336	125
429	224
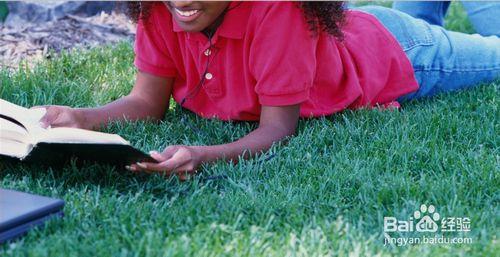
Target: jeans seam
415	44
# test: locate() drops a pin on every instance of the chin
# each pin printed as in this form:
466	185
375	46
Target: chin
194	29
190	29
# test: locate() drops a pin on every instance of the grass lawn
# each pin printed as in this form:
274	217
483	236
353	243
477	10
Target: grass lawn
325	193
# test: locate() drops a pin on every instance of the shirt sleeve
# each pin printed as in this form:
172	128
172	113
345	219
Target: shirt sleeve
151	52
283	56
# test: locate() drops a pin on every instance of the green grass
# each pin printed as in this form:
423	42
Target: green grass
325	193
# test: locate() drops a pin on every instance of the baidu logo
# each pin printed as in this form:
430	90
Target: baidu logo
423	220
426	220
428	217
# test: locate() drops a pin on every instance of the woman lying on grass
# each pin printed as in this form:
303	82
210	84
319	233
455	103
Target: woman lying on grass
274	62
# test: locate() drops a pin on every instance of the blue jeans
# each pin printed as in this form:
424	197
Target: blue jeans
443	60
483	15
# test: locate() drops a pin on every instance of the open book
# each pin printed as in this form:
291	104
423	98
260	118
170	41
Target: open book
22	137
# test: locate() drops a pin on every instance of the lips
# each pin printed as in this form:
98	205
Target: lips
187	16
186	13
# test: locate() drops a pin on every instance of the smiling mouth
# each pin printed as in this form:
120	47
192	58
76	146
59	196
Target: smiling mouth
186	13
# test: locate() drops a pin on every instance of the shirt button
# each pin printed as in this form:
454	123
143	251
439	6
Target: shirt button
207	52
208	75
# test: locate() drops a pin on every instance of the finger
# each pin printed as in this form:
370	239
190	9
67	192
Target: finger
141	167
157	156
131	168
138	169
170	151
165	155
177	160
182	173
49	117
167	166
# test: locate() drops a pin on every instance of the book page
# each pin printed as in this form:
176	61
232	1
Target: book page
13	148
17	142
10	109
12	131
75	135
30	118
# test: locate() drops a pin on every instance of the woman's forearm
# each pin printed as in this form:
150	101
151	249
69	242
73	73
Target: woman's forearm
129	107
276	123
255	142
149	99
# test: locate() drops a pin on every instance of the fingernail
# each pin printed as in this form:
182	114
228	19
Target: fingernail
153	152
142	165
131	168
44	125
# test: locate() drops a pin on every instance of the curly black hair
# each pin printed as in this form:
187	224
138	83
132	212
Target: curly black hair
325	15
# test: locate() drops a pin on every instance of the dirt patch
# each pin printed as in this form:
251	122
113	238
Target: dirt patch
35	41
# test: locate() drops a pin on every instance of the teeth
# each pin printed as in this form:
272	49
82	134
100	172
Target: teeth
186	13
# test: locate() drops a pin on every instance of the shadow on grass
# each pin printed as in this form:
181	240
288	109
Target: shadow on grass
78	174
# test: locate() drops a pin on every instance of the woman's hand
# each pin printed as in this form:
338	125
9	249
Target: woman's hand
276	123
62	116
149	99
177	160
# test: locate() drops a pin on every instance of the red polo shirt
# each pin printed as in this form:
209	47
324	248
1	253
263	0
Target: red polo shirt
263	53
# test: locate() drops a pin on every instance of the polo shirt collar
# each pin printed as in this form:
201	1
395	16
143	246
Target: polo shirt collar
234	23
